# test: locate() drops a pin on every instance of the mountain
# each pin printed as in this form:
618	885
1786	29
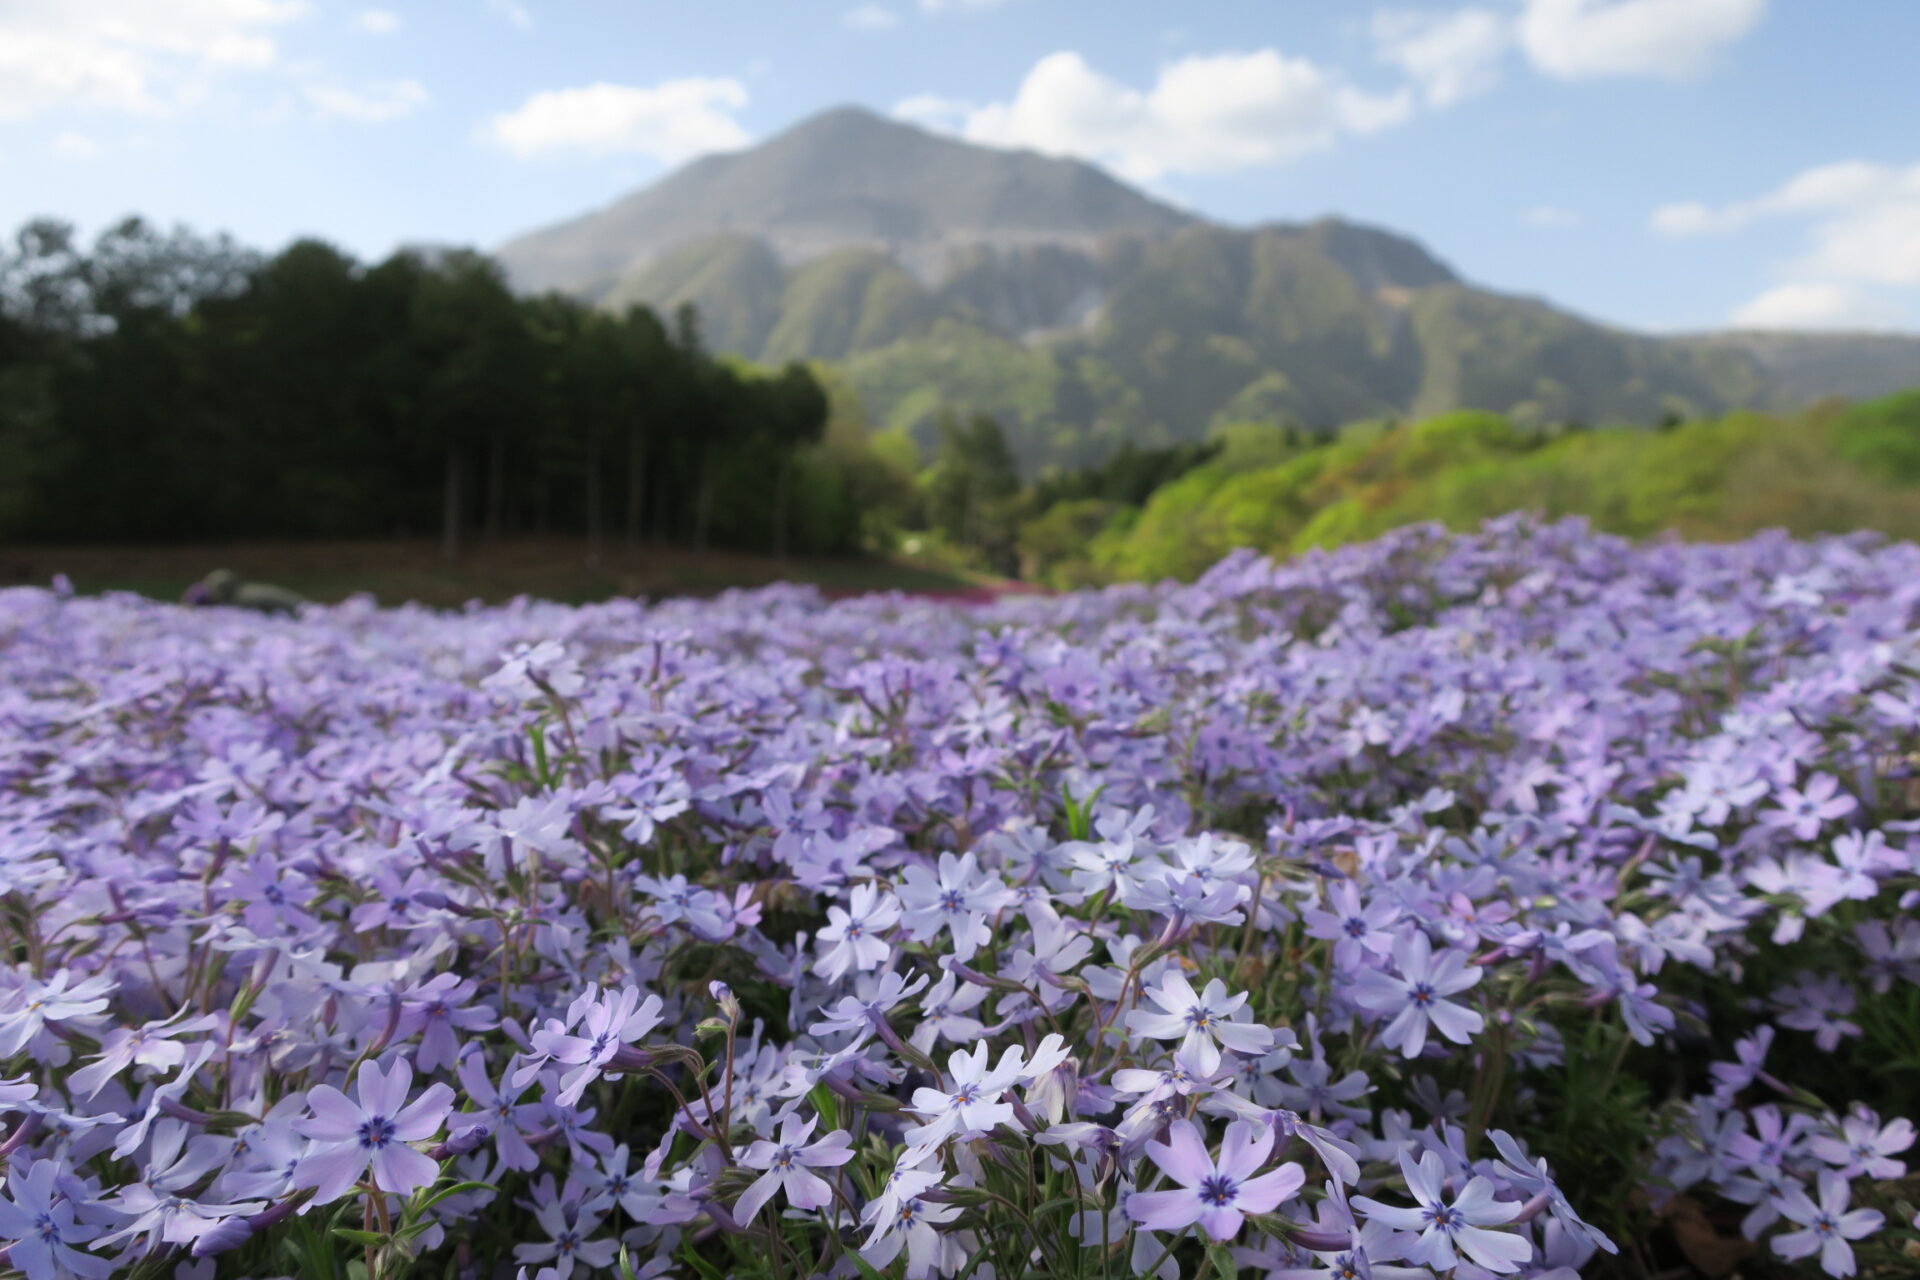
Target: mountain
1086	314
844	177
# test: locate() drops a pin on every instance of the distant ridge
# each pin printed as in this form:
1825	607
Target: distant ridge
1086	314
844	177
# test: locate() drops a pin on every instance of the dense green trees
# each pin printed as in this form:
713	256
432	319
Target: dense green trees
1829	469
171	386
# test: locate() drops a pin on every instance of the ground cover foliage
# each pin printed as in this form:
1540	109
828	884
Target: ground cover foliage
1526	902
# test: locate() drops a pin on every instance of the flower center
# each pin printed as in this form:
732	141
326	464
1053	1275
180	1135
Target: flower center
376	1132
1421	994
1218	1191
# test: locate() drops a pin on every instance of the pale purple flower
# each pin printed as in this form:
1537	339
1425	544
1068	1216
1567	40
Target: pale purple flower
854	932
1826	1227
1353	929
1819	1004
37	1005
39	1223
435	1010
568	1225
607	1023
1447	1226
789	1165
1201	1022
501	1113
903	1220
1530	1175
946	1013
1417	998
151	1046
957	898
973	1105
371	1130
1802	811
1217	1195
1863	1147
677	901
865	1011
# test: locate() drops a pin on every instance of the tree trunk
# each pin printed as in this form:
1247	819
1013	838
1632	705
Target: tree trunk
662	507
636	482
450	508
496	483
593	499
782	494
703	503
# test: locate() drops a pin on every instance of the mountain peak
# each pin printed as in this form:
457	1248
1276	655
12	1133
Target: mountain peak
846	177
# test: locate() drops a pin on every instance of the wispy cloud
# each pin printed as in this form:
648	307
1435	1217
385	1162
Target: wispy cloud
669	122
1550	216
1212	113
1667	39
373	104
139	57
69	145
377	22
1863	234
870	17
513	11
1818	306
1450	56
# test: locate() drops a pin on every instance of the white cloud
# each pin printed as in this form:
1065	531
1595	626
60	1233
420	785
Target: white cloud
930	110
959	6
136	56
1863	228
74	146
1865	220
1668	39
1817	306
375	104
870	17
377	22
1449	55
1203	114
1550	216
513	11
669	122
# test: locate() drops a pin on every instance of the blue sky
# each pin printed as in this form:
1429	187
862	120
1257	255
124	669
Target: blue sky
1658	164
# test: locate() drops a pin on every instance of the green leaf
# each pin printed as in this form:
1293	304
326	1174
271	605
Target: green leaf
454	1190
866	1268
827	1105
699	1263
539	738
371	1239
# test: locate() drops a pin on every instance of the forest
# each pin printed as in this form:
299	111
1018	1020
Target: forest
165	386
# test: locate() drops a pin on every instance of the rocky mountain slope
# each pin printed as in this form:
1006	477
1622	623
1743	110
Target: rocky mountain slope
1085	313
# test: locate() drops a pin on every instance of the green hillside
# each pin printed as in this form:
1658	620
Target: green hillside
1831	468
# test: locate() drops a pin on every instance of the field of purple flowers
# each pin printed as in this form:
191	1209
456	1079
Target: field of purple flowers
1529	903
